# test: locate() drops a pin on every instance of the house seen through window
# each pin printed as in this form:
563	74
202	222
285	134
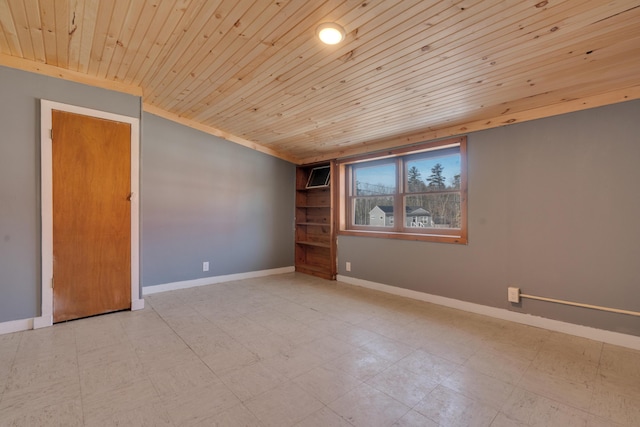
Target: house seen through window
417	193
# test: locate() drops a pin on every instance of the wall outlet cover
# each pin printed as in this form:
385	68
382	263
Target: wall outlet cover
513	294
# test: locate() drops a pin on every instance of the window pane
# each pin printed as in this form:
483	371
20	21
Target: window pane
373	211
375	180
433	210
433	171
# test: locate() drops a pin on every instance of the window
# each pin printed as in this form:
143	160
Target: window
416	193
319	177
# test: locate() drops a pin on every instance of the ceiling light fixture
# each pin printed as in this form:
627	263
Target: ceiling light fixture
330	33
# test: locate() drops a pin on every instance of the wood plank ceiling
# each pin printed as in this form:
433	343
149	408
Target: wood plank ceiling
253	71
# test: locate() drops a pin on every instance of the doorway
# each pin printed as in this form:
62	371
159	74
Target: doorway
90	230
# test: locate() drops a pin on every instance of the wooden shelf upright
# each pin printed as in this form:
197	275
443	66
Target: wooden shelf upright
315	245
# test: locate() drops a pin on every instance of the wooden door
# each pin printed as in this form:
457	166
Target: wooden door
91	161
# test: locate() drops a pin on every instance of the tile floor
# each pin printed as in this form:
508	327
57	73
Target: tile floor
293	350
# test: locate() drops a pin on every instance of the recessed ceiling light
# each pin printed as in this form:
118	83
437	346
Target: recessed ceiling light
330	33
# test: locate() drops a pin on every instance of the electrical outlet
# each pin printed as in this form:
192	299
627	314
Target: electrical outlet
513	294
205	266
347	266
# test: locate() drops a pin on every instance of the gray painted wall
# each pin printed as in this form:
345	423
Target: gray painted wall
202	198
553	207
20	95
207	199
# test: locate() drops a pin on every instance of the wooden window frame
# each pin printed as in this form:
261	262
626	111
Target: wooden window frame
344	196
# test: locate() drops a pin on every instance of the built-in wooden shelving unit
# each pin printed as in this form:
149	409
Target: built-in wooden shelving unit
315	241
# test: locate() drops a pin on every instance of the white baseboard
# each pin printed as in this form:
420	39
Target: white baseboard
16	326
137	304
148	290
609	337
42	322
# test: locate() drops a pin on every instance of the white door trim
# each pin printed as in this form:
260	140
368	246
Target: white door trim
46	192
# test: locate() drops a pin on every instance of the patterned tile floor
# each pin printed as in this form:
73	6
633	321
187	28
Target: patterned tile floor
294	350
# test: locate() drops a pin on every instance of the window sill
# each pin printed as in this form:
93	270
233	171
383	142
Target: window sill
438	238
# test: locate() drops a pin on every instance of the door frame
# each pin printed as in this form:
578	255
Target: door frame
46	202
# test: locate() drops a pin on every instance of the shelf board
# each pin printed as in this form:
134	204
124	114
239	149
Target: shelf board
325	188
316	244
314	206
323	272
314	224
312	267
